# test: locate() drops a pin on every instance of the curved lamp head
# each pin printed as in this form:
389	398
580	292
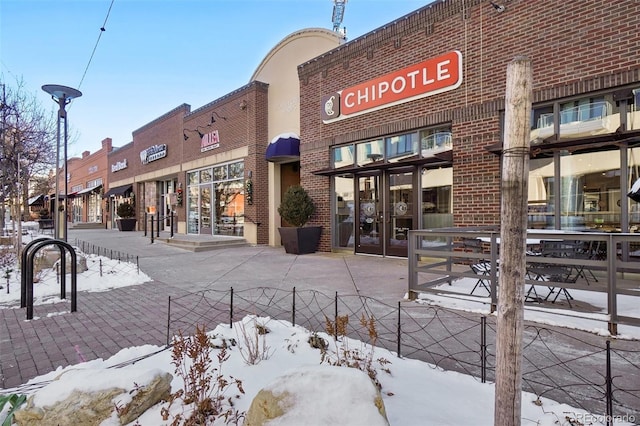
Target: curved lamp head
61	92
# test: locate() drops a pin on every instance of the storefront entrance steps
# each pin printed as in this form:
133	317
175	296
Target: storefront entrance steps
197	243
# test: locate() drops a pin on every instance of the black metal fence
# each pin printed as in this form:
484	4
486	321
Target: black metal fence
585	370
120	256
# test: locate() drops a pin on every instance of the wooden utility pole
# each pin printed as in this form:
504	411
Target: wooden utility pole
513	238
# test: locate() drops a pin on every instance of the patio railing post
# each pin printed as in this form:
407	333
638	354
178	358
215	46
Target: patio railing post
611	293
609	381
399	333
483	349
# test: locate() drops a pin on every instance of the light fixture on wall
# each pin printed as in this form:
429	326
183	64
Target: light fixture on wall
243	104
213	120
498	7
184	132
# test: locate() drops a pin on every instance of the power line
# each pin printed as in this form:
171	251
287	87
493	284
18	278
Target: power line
102	29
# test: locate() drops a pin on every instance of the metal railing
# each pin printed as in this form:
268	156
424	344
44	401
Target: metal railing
586	370
438	256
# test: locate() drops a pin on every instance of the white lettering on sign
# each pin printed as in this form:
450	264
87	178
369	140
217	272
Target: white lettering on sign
432	76
120	165
210	141
153	153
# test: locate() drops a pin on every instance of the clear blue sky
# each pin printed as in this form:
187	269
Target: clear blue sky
156	54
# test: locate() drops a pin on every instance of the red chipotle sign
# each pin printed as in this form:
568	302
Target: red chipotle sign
430	77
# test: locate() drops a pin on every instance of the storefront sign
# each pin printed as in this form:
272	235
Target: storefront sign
430	77
92	169
210	141
153	153
120	165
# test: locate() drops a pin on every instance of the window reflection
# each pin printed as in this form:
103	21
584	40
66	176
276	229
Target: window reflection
436	197
343	156
370	152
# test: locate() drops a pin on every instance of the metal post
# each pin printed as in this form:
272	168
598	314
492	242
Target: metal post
335	317
158	230
609	381
171	224
399	333
145	223
293	308
65	206
231	309
483	349
151	229
168	320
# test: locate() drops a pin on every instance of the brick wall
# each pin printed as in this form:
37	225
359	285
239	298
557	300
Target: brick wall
575	47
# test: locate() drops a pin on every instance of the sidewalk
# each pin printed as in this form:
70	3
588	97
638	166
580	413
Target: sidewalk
130	316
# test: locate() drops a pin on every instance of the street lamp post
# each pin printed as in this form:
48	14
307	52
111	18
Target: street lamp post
62	95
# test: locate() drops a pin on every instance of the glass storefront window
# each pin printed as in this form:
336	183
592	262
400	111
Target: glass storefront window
401	147
437	196
634	175
229	213
215	200
633	119
192	178
540	214
435	140
589	116
370	152
344	211
205	176
236	170
220	172
590	191
342	156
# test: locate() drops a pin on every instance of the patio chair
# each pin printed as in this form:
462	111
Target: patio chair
553	272
480	267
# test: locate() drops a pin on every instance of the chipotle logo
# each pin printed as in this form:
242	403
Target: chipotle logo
430	77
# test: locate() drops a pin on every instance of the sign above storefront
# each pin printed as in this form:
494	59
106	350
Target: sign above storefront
427	78
120	165
153	153
210	141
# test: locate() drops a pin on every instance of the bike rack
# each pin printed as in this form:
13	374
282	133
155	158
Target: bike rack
26	273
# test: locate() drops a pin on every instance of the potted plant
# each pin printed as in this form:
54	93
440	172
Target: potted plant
296	209
126	217
45	222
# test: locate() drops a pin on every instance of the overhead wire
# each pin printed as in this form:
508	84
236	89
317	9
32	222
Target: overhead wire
102	29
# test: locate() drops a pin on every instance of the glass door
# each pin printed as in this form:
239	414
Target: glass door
369	235
400	202
205	209
168	188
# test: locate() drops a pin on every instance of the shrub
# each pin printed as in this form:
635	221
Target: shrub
125	210
297	206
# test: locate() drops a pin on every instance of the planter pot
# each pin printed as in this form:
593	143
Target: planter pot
126	224
303	240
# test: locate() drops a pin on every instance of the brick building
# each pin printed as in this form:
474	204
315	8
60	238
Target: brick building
402	127
86	179
209	168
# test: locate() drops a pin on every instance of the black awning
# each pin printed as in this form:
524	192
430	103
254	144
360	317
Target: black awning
118	190
87	190
441	159
36	201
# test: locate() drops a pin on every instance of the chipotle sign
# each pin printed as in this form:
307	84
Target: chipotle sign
430	77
